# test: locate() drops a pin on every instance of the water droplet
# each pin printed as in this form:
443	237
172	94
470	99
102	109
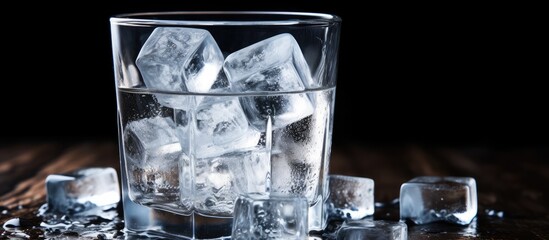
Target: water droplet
20	235
494	213
2	208
93	223
12	224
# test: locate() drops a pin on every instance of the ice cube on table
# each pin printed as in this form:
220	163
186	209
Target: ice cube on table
219	127
180	60
82	190
264	216
350	197
369	229
275	65
428	199
153	153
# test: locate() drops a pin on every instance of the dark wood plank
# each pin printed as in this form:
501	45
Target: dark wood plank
29	169
23	162
510	181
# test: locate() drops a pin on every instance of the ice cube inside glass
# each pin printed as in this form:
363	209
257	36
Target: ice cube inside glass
430	198
275	64
179	59
153	159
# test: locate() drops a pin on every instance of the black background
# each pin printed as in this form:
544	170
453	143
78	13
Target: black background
428	74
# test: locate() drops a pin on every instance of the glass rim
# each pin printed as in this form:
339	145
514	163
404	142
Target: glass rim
288	18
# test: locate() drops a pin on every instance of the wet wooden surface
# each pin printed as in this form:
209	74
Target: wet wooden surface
513	183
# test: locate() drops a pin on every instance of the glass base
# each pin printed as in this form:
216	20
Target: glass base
143	221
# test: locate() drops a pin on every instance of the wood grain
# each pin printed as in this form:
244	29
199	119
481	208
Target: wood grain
25	168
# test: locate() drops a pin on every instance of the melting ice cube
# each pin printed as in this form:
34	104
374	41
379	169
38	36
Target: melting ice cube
82	190
351	197
368	229
428	199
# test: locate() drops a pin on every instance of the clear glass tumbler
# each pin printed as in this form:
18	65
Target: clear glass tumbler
212	105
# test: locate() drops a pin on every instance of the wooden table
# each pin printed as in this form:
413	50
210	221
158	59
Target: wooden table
513	183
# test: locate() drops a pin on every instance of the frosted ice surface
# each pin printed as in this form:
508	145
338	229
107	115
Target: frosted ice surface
179	60
275	64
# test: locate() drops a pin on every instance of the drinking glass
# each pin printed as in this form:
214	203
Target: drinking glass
213	105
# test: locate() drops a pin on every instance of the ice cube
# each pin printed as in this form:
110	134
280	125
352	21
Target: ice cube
275	64
82	190
146	139
220	180
153	153
264	216
181	60
219	127
220	119
350	197
368	229
221	83
427	199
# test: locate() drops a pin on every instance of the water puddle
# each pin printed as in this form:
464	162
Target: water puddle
100	223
